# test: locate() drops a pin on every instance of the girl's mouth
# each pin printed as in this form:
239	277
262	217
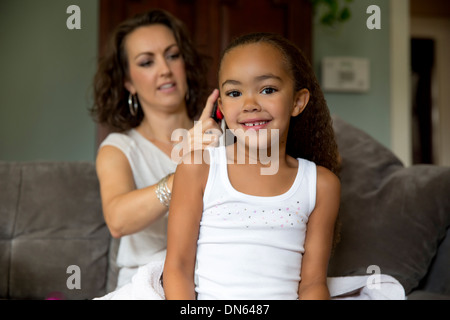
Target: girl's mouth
255	125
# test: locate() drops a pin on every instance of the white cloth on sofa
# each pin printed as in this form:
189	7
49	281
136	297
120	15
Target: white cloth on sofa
146	285
367	287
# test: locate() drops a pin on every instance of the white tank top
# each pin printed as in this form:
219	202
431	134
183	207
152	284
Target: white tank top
251	247
149	165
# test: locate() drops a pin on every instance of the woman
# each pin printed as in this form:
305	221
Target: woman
150	83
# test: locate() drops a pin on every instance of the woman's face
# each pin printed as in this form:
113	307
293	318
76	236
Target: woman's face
156	69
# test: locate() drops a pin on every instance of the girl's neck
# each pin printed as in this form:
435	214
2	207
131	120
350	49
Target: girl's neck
267	161
258	178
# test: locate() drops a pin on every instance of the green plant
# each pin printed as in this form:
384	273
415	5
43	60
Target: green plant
332	12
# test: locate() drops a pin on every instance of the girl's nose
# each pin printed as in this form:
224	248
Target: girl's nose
251	105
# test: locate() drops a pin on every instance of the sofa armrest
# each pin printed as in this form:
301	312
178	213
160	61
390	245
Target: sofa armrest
51	219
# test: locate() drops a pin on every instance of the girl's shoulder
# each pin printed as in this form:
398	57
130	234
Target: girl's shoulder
194	167
196	159
327	181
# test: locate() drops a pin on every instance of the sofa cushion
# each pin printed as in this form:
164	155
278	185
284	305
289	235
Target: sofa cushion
391	216
438	277
9	193
53	220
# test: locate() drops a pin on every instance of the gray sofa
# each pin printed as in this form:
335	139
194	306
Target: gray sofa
392	217
54	242
51	219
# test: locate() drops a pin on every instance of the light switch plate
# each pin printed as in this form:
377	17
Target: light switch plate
345	74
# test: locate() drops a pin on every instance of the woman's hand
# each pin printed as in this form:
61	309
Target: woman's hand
205	133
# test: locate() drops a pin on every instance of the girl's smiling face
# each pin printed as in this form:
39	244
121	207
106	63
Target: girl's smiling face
257	90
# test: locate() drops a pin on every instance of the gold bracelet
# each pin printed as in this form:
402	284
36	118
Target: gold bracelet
163	192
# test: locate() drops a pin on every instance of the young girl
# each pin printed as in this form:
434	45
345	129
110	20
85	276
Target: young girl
242	234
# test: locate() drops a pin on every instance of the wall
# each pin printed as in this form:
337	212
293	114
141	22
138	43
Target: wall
368	111
45	82
47	71
401	102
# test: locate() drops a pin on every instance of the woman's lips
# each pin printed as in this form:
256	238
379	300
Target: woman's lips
167	87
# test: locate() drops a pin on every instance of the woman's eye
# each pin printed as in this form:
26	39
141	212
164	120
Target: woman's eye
233	94
268	90
146	63
173	56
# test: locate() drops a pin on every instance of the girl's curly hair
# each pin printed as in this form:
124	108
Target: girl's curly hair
311	134
111	97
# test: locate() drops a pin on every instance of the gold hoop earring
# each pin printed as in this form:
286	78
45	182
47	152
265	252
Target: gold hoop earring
133	104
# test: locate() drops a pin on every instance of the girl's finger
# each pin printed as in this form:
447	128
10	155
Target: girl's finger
207	111
209	124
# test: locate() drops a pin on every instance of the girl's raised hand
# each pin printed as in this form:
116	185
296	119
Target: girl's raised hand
205	133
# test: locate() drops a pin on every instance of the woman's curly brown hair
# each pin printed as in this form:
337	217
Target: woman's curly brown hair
311	134
111	97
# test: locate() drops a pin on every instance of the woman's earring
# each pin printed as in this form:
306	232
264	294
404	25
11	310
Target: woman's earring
187	95
133	104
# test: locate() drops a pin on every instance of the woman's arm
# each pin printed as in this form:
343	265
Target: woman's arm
126	209
319	237
182	233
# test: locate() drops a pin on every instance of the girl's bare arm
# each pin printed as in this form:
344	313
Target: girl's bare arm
182	233
319	237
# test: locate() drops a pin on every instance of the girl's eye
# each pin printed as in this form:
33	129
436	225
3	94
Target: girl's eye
268	90
233	94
